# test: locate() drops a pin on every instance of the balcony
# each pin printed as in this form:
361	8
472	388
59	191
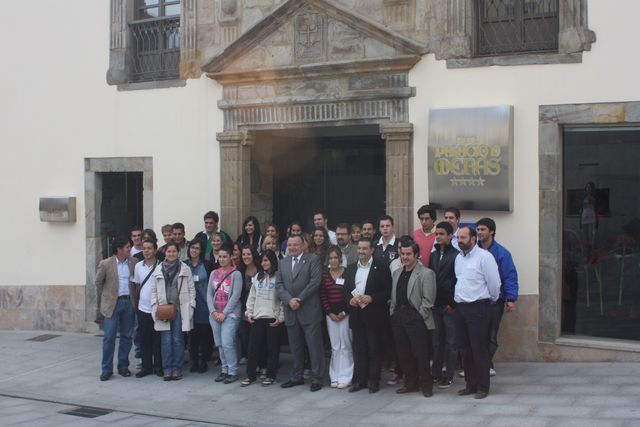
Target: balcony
155	49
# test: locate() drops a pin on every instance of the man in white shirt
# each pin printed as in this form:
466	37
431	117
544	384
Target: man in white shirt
321	220
478	284
149	338
136	239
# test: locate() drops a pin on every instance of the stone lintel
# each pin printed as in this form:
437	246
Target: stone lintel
352	95
399	188
320	70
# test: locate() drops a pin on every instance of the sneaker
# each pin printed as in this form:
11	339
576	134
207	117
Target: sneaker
221	377
343	385
263	373
492	372
230	379
242	361
334	384
394	379
461	374
445	382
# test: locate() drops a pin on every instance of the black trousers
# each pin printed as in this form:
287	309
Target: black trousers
200	343
366	352
149	342
413	343
264	339
497	310
244	331
472	336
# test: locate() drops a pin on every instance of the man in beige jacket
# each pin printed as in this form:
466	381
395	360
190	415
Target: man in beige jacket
113	285
412	295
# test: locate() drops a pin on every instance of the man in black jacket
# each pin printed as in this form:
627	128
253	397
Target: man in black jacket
367	287
442	262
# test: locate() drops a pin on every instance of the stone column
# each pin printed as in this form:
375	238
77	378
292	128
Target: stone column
188	40
399	154
235	179
457	30
121	11
575	35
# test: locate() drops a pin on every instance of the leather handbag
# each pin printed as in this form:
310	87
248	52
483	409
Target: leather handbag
168	312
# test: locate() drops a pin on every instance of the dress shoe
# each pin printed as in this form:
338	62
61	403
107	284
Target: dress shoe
315	386
403	390
125	372
158	372
177	375
105	376
142	373
291	383
481	395
374	387
221	377
427	391
465	392
355	387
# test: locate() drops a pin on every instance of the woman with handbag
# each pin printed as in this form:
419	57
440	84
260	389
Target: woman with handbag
173	299
223	300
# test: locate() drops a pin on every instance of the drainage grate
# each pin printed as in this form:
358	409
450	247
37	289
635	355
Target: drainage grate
86	412
45	337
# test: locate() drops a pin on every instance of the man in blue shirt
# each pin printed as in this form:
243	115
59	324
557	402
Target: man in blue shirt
486	228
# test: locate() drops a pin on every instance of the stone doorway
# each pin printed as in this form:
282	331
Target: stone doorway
342	175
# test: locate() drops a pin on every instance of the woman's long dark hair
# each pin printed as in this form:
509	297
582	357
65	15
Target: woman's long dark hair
254	255
245	239
273	259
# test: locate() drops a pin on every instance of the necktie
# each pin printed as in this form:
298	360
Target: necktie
294	263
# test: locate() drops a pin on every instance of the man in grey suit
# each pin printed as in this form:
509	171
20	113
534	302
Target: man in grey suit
413	292
297	284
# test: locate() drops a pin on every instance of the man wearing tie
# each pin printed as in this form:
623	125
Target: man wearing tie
297	285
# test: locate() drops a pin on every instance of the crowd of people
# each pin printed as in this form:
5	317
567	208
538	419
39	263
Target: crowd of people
421	305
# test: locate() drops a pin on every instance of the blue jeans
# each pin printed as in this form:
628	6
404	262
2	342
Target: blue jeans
121	320
444	342
172	347
224	334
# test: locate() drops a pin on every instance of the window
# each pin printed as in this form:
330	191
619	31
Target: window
517	26
156	40
601	232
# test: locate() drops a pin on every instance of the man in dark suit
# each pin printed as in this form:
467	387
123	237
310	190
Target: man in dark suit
367	288
116	305
297	285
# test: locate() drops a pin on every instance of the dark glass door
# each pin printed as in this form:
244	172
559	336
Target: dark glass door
343	176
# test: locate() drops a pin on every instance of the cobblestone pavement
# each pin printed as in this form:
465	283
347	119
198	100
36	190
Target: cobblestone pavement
41	381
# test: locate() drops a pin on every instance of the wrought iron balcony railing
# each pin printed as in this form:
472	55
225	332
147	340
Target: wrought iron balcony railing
156	49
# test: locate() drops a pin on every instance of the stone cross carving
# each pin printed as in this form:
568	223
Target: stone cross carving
310	36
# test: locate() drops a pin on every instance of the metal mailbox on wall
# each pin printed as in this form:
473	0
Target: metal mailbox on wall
58	209
471	158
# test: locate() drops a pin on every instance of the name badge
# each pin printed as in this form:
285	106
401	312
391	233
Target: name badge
195	278
340	281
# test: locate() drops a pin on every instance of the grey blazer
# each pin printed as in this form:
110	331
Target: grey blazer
304	283
421	292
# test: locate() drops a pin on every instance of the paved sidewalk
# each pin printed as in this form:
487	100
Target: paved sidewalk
39	380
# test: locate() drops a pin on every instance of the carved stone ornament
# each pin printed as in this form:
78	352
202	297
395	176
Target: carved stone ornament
229	7
310	36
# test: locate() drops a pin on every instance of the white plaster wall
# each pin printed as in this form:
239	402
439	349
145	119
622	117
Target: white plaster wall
608	73
56	109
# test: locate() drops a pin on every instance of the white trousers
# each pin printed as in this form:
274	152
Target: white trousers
341	367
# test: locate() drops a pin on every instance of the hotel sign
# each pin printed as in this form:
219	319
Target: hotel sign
471	158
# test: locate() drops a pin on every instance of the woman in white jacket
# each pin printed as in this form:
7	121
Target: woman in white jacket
265	312
173	284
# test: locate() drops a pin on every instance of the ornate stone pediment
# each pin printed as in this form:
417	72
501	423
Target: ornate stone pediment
305	32
314	62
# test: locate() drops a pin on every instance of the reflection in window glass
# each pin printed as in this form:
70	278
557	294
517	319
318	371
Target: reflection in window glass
149	13
148	2
601	233
171	10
